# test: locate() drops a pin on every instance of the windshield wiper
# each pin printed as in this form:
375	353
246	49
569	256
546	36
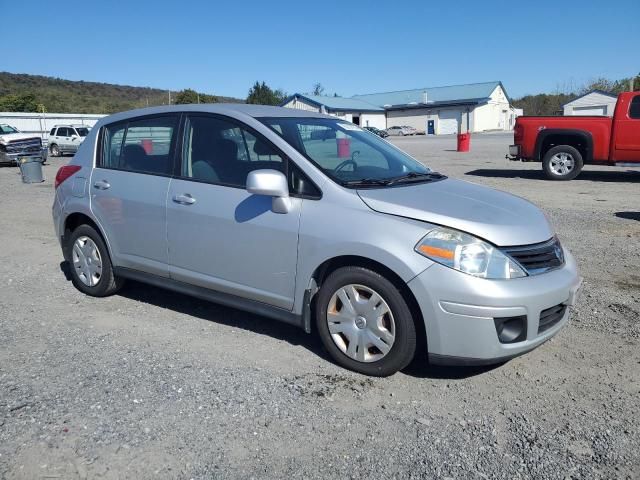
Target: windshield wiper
366	182
415	175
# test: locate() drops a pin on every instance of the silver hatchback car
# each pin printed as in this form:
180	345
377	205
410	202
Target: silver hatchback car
309	219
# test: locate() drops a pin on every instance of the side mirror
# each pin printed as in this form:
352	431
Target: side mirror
270	183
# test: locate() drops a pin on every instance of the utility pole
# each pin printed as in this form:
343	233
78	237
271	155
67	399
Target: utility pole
198	97
169	97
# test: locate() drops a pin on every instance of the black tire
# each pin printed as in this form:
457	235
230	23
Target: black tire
54	150
404	346
108	283
570	151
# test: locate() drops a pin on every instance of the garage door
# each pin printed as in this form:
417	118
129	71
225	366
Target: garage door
448	121
594	110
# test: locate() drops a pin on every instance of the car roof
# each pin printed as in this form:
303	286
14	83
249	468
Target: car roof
75	125
230	109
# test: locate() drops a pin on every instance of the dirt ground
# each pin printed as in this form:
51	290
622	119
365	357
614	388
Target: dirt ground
149	383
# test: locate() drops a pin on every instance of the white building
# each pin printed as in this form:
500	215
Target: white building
476	107
595	102
350	109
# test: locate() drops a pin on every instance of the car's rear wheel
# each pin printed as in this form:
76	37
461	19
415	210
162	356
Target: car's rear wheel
55	150
562	162
90	264
364	322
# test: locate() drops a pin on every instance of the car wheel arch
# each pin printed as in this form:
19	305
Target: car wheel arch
74	220
332	264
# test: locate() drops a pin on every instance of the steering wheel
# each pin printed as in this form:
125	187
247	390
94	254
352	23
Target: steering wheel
351	161
345	163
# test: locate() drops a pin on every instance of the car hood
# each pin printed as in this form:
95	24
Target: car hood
500	218
10	137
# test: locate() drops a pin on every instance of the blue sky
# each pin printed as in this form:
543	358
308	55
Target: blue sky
349	46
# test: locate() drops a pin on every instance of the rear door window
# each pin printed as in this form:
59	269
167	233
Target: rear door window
143	146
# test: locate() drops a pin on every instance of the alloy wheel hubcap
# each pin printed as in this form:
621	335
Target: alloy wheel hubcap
87	261
361	323
562	163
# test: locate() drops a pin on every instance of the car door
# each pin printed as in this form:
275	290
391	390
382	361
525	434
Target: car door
74	140
129	190
62	138
68	140
220	236
626	141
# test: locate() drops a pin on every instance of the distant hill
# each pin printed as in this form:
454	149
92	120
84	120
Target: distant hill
67	96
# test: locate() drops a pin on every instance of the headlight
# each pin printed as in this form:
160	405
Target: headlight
467	254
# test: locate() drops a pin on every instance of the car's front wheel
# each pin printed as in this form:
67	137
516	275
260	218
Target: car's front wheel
364	322
55	150
90	264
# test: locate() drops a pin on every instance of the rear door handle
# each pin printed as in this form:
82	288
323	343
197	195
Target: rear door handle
102	185
184	199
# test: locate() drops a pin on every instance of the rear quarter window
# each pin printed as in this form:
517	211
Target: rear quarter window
634	108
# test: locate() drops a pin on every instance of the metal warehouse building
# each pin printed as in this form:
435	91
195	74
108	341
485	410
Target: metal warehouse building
595	102
475	107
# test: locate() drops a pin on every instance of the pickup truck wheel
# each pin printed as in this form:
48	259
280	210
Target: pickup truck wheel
562	163
364	322
55	151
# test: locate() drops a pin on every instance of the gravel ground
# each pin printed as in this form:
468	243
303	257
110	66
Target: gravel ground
155	384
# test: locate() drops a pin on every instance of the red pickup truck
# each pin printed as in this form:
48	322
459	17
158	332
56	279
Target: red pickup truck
565	144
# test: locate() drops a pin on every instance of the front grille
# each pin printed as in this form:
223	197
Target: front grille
550	316
24	147
537	258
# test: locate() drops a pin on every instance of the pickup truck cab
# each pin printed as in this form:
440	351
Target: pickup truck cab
565	144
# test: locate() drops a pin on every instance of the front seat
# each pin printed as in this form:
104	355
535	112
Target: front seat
202	166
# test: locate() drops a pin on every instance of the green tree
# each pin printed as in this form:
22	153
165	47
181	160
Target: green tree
186	96
22	102
191	96
262	94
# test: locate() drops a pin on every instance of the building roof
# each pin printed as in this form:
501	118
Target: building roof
454	94
601	92
336	103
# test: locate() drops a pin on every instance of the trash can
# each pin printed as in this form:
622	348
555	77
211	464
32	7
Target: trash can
31	169
464	142
343	148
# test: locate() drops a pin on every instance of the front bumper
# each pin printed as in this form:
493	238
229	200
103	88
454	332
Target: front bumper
12	158
459	311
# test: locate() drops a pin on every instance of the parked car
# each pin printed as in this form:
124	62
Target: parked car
396	130
565	144
66	138
377	131
341	230
15	144
411	130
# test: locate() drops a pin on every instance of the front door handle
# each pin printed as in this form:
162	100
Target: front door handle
184	199
102	185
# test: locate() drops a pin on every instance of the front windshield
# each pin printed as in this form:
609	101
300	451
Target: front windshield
4	129
83	132
345	152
